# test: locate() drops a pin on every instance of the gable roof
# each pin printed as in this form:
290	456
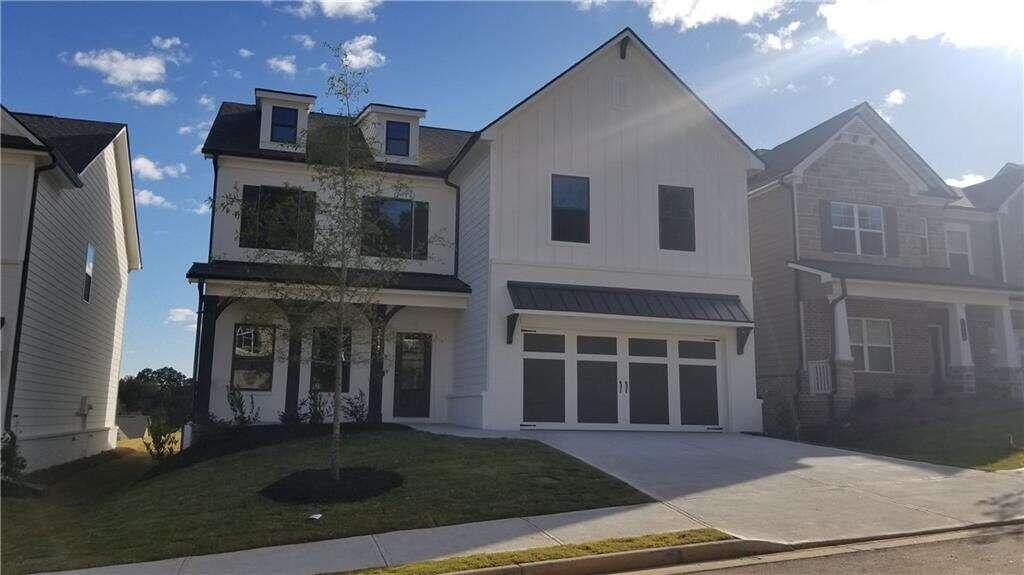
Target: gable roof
991	194
236	132
626	33
77	141
781	159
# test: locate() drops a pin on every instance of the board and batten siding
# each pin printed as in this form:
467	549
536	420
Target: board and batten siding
656	135
71	348
471	330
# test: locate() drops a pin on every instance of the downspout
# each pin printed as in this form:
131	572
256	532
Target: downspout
796	310
832	358
9	407
458	219
199	329
213	209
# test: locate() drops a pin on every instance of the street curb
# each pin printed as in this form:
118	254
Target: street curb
696	553
639	559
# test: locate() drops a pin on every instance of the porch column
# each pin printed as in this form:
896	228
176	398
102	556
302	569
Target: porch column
961	362
291	395
1008	371
841	399
207	337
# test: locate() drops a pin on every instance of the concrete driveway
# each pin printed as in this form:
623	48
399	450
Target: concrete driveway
775	490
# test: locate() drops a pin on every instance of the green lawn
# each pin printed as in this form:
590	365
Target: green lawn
978	438
483	560
100	513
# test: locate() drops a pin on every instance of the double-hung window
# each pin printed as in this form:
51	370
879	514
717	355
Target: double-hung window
857	229
277	218
919	229
958	248
397	138
676	222
871	344
395	227
252	362
284	125
325	357
570	209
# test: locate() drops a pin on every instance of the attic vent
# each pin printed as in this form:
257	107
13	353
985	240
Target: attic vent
623	44
620	92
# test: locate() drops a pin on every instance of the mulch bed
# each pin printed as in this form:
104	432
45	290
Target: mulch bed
318	486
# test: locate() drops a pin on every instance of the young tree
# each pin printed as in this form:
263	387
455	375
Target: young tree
333	247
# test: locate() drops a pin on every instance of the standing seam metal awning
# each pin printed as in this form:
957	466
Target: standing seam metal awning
528	296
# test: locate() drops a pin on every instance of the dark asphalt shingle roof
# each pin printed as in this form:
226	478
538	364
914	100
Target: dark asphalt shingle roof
301	274
77	141
236	129
902	274
991	194
781	159
627	302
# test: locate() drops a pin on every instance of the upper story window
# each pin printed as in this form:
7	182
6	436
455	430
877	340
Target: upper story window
324	360
284	125
90	254
570	209
958	248
676	225
400	228
857	229
397	142
871	344
252	361
276	218
919	229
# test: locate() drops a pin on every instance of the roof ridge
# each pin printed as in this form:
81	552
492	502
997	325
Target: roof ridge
819	124
67	118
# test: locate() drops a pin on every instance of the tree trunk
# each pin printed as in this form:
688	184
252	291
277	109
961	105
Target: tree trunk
336	421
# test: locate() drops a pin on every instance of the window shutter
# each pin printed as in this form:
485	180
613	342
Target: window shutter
306	220
825	208
892	232
249	221
421	226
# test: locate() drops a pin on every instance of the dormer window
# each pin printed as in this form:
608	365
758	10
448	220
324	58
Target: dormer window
284	126
397	143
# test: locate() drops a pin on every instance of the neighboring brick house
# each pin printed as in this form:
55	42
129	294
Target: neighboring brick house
874	277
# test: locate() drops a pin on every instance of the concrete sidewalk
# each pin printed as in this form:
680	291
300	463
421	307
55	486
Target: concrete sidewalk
398	547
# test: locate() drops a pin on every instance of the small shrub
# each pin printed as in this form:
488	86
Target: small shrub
354	407
242	415
12	464
902	390
318	409
292	418
866	400
162	442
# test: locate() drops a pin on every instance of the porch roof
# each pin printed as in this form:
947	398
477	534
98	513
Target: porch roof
900	274
581	299
309	275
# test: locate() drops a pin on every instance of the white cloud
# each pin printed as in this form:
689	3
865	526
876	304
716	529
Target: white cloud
148	198
585	5
202	208
693	13
235	74
206	102
812	41
282	64
200	129
304	40
792	87
166	43
147	169
828	79
323	68
359	53
198	149
781	40
185	130
157	97
245	53
180	315
122	69
895	98
977	24
358	10
965	180
82	90
762	81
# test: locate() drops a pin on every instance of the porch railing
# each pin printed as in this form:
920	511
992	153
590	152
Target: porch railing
820	375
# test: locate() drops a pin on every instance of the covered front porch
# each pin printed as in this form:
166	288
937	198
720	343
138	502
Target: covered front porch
284	356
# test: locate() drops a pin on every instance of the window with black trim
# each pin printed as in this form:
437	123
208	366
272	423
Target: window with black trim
284	125
276	218
857	229
90	254
676	221
323	373
399	228
570	209
397	138
252	361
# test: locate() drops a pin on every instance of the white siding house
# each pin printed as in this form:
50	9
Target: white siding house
69	242
598	275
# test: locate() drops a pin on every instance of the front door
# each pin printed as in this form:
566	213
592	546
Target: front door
938	357
412	375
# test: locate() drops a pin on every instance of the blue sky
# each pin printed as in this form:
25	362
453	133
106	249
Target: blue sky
949	78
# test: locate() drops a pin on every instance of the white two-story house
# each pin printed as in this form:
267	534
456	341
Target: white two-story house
597	272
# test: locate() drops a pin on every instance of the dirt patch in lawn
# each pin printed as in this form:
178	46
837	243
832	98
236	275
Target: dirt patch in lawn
319	486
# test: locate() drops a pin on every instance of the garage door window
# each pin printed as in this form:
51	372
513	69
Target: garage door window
543	378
